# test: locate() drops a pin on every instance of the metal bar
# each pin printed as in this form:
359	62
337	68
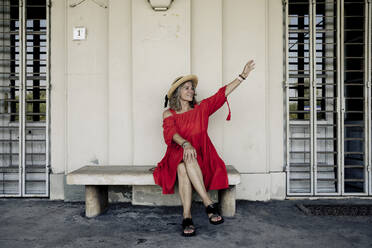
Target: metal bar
342	93
369	30
320	98
327	125
20	2
47	162
28	114
353	125
29	180
9	195
366	100
286	79
329	194
307	85
355	194
35	6
23	65
36	195
36	33
27	154
15	100
308	138
313	149
305	43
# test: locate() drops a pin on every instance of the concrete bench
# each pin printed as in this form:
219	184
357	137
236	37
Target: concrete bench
97	178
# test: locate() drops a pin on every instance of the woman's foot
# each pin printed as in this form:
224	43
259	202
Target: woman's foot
214	216
188	227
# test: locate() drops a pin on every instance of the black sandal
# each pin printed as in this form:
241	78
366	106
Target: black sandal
188	224
213	209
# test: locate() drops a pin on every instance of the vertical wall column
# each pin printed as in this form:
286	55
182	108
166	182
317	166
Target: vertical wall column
245	136
87	67
120	135
160	53
206	59
275	108
58	98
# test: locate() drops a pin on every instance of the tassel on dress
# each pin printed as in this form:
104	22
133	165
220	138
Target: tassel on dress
229	115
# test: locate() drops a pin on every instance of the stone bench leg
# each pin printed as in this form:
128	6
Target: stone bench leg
96	200
227	201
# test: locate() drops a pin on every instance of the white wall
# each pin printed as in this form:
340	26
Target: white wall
117	78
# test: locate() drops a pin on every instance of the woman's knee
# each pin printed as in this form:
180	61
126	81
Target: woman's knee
181	170
191	162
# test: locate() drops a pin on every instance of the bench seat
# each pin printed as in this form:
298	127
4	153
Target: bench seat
97	178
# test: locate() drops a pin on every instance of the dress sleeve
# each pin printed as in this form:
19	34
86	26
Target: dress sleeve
213	103
169	129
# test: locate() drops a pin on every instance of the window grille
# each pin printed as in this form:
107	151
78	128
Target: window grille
24	93
328	71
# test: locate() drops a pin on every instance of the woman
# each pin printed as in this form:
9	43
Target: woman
191	156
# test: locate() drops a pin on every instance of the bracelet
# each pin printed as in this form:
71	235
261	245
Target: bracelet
241	75
185	142
240	78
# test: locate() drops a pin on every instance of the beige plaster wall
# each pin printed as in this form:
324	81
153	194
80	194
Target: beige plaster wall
244	38
87	86
111	90
206	59
254	138
160	52
120	102
58	96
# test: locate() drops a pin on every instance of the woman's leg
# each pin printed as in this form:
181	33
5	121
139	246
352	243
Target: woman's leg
196	178
185	190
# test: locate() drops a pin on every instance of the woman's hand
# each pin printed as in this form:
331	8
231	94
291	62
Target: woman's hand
236	82
248	68
189	153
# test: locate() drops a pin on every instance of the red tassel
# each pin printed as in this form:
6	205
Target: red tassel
229	116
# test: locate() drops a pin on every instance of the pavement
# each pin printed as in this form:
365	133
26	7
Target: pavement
45	223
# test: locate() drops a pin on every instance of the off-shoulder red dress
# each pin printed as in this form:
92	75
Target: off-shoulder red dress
192	126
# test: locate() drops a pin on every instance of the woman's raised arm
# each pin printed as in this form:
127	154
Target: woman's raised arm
236	82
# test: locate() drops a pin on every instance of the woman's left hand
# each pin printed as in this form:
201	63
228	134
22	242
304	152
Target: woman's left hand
189	153
248	68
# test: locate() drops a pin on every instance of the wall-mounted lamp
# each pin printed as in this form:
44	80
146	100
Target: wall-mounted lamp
160	5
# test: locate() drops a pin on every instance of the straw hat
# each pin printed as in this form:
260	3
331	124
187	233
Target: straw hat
177	82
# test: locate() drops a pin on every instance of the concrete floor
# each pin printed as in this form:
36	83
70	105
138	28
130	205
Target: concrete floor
43	223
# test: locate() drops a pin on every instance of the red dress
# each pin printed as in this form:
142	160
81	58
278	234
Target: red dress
192	126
